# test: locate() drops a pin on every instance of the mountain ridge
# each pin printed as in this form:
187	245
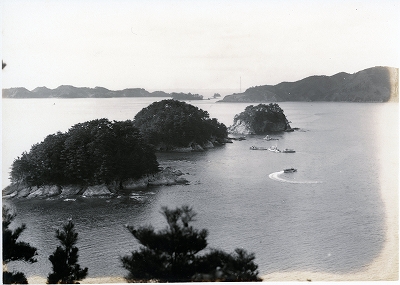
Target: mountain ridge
69	91
375	84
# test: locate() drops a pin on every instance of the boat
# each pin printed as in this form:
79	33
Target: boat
268	138
257	148
288	150
289	170
274	149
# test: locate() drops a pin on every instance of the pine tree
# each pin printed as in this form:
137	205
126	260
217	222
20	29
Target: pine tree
170	255
64	259
14	250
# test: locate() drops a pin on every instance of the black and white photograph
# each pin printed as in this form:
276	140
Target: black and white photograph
200	141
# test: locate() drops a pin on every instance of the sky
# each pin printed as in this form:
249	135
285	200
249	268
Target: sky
171	45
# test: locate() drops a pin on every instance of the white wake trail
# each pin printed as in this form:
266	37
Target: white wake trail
276	176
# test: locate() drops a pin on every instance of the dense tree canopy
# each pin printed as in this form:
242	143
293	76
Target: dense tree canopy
176	123
93	152
171	254
260	117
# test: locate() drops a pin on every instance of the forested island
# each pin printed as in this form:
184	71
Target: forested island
186	96
260	119
171	125
102	157
376	84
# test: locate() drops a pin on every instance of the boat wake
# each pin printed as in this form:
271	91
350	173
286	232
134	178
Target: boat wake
277	176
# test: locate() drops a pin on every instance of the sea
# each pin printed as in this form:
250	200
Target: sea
329	216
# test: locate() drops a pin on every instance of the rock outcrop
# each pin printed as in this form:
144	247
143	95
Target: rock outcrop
167	176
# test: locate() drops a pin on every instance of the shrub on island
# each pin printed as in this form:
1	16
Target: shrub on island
260	119
171	124
91	153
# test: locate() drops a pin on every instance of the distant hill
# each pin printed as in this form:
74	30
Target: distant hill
68	91
376	84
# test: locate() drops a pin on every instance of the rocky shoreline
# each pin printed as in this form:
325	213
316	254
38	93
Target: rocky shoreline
194	147
166	176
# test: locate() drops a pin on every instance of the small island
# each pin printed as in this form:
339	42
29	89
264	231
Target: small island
102	157
260	119
186	96
97	157
171	125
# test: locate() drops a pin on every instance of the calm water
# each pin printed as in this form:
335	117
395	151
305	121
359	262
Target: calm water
327	217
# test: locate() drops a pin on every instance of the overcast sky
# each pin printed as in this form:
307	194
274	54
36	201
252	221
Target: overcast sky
192	45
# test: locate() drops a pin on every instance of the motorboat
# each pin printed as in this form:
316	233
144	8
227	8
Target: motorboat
257	148
274	149
289	170
268	138
288	150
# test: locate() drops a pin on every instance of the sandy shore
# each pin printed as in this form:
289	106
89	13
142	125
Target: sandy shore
97	280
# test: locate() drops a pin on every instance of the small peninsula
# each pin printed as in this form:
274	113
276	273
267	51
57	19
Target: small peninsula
171	125
260	119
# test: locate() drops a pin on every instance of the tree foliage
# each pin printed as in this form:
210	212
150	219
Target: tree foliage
171	254
176	123
14	250
64	259
257	116
222	266
90	153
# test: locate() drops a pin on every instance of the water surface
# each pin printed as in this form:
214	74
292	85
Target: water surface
326	217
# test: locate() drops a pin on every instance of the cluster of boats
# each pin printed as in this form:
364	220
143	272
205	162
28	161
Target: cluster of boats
275	148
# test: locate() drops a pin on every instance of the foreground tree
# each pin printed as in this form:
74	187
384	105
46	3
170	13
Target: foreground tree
221	266
170	255
14	250
64	259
